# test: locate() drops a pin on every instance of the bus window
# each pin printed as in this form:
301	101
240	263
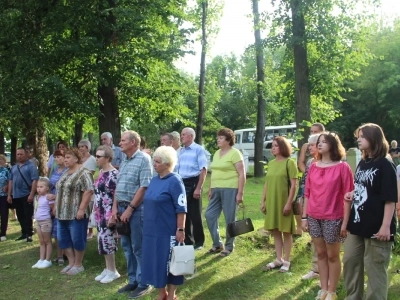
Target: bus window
237	138
269	135
248	137
276	132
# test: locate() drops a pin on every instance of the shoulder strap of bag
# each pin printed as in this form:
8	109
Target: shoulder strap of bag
287	175
23	178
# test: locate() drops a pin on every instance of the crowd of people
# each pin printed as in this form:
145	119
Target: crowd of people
159	196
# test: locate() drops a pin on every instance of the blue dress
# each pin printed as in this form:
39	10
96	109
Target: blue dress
164	199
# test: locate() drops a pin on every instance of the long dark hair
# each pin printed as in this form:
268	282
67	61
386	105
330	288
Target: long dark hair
336	149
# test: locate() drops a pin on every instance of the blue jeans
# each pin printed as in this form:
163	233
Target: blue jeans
132	245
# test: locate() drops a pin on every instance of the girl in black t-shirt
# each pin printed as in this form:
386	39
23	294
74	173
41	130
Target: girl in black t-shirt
372	221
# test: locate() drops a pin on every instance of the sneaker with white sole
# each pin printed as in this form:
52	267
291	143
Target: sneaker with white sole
3	238
102	275
310	275
321	295
111	276
39	262
45	264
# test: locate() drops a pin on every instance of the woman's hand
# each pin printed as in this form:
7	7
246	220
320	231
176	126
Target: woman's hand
287	209
343	230
80	214
304	225
239	198
263	208
51	197
111	221
383	234
349	196
180	236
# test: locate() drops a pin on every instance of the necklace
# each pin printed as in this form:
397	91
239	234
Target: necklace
368	160
326	163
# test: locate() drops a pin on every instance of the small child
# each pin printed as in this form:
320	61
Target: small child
43	208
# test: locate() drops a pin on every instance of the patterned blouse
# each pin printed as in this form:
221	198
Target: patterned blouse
4	177
70	189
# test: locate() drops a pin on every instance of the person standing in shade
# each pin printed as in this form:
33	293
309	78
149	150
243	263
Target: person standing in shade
166	139
132	182
119	156
21	191
4	177
192	166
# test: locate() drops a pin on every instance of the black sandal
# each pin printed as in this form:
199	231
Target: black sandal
225	253
215	250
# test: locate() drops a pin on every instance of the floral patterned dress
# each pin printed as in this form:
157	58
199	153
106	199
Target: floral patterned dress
104	191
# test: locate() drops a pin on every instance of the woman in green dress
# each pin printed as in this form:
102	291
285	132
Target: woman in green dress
276	202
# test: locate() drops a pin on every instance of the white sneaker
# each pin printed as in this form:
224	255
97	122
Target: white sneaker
102	275
111	276
3	238
310	275
45	264
39	262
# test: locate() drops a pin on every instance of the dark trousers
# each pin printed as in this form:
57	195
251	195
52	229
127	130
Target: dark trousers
194	232
24	210
4	215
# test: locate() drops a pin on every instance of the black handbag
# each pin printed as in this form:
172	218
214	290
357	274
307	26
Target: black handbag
123	228
241	226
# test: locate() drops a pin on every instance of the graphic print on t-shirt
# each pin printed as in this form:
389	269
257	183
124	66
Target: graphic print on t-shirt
361	180
182	200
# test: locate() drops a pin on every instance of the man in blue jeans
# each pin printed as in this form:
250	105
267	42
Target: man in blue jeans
134	176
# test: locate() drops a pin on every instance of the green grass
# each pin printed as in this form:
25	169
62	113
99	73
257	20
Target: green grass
237	276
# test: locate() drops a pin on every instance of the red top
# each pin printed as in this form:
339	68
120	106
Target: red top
325	189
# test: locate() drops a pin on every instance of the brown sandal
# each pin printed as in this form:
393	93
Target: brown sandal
215	250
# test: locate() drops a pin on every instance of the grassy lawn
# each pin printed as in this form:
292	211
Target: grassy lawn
237	276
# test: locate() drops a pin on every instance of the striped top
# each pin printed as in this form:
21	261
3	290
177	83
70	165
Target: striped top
191	161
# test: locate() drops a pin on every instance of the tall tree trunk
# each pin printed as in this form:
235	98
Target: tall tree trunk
13	149
41	150
2	143
302	91
109	119
78	132
261	103
200	117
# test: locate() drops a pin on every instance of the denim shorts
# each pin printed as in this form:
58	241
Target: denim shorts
72	234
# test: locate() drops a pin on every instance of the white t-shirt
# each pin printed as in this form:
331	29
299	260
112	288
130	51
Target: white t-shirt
398	172
90	164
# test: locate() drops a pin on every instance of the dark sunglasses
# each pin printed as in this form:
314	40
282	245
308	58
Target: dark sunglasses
99	156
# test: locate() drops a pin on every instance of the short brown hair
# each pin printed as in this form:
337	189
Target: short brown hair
378	145
75	152
285	149
228	134
320	126
59	153
62	142
336	149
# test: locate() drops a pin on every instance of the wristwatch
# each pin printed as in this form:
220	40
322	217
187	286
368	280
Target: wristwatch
181	229
132	206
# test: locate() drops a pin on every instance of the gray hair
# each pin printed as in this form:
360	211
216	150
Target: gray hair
170	136
108	134
176	135
133	136
168	156
85	143
190	131
313	138
108	151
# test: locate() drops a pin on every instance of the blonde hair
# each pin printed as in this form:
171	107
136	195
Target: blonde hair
168	156
46	181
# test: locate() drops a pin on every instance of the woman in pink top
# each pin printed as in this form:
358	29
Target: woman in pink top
328	180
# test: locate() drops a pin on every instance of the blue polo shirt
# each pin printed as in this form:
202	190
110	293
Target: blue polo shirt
119	156
30	173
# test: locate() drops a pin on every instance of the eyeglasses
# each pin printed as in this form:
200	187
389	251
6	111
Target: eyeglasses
99	156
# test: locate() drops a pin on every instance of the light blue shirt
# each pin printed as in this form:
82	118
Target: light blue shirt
134	172
19	187
191	161
119	156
